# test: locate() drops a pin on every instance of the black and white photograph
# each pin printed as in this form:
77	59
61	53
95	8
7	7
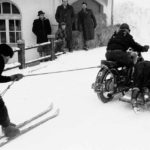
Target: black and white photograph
74	74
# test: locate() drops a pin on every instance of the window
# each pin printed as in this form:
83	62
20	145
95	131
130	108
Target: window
6	8
15	10
10	23
14	30
2	31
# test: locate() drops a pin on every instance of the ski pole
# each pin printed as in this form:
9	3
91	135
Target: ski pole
62	71
2	94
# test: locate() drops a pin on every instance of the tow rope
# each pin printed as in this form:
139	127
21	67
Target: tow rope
54	72
62	71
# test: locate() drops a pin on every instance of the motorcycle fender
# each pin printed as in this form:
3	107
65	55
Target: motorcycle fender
103	68
99	75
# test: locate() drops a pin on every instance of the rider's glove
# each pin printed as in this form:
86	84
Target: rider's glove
145	48
16	77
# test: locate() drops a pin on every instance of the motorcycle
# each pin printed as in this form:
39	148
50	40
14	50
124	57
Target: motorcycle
114	79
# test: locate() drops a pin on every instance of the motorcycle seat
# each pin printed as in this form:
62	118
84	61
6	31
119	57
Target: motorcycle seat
110	64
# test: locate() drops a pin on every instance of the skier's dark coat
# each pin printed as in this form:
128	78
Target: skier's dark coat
4	118
2	66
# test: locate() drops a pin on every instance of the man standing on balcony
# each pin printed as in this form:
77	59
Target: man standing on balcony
65	13
41	28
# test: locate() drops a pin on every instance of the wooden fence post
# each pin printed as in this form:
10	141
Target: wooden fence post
21	53
51	38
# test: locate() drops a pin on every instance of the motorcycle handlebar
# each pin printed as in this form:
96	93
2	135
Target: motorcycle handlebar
145	48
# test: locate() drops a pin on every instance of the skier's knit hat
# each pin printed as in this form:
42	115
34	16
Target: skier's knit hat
6	50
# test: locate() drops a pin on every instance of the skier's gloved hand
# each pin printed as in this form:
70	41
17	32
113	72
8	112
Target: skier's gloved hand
17	77
145	48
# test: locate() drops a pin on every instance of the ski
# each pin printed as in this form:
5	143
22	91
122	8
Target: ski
33	118
7	140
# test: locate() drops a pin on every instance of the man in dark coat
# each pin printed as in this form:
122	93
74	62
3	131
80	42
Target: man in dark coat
65	13
9	129
86	24
41	28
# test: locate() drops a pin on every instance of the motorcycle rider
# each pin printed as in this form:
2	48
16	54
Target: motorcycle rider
117	50
118	45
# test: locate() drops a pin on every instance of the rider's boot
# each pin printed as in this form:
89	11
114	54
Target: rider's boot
146	94
10	129
134	96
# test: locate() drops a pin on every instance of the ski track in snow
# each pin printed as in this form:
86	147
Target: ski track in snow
84	123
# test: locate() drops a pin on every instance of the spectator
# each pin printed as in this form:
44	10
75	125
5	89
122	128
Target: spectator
61	38
65	13
41	28
86	24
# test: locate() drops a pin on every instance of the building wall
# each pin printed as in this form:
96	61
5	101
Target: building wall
107	9
29	9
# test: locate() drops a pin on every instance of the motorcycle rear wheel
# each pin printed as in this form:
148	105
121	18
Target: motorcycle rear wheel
106	81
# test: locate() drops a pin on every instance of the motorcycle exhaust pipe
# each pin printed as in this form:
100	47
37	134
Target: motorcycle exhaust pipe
110	94
125	99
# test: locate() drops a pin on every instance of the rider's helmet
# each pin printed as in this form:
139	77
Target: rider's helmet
124	26
62	23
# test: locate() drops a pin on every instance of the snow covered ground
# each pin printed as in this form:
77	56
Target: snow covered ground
84	122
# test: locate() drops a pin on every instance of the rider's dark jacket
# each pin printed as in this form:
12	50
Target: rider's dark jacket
123	41
4	117
118	45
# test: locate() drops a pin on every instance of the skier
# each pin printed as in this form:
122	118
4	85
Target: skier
8	128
